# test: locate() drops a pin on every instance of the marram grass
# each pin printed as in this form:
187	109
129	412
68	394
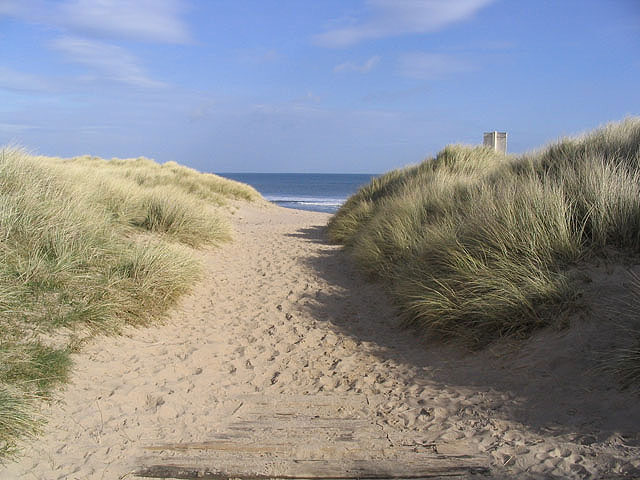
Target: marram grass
474	244
89	246
623	363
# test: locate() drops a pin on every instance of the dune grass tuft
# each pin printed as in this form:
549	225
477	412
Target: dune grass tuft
473	244
88	246
623	362
18	418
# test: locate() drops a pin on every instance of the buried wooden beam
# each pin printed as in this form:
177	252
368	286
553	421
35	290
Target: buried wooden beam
389	470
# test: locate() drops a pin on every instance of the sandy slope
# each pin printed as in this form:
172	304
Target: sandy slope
281	312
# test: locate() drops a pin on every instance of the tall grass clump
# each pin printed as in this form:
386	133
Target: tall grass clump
474	244
85	248
623	362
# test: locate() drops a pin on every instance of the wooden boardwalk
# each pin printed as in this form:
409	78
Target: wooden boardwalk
304	436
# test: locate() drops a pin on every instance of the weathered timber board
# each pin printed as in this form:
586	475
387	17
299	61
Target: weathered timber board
321	469
297	437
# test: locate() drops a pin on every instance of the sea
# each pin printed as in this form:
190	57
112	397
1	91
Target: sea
319	192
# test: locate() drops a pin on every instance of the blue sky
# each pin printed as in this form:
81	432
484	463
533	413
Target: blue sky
310	86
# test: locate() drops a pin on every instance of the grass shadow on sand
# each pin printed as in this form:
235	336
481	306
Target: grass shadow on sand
548	383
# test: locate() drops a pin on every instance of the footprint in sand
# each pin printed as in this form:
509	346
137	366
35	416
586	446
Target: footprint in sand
153	402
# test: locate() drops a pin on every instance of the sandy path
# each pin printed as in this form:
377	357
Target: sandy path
281	312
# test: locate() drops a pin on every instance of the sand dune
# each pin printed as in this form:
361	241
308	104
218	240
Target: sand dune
281	315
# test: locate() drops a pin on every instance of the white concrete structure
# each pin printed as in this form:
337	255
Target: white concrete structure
496	140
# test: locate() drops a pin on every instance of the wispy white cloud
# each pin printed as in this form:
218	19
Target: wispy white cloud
158	21
22	82
108	61
426	66
356	67
151	20
87	29
399	17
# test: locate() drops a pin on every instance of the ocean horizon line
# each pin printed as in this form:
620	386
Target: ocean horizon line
322	192
293	173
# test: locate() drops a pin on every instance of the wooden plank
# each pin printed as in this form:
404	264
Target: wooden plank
264	449
321	469
317	400
241	464
301	424
219	446
303	437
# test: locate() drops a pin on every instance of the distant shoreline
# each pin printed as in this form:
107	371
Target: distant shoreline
319	192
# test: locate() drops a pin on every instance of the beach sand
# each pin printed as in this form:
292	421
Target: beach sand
280	316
